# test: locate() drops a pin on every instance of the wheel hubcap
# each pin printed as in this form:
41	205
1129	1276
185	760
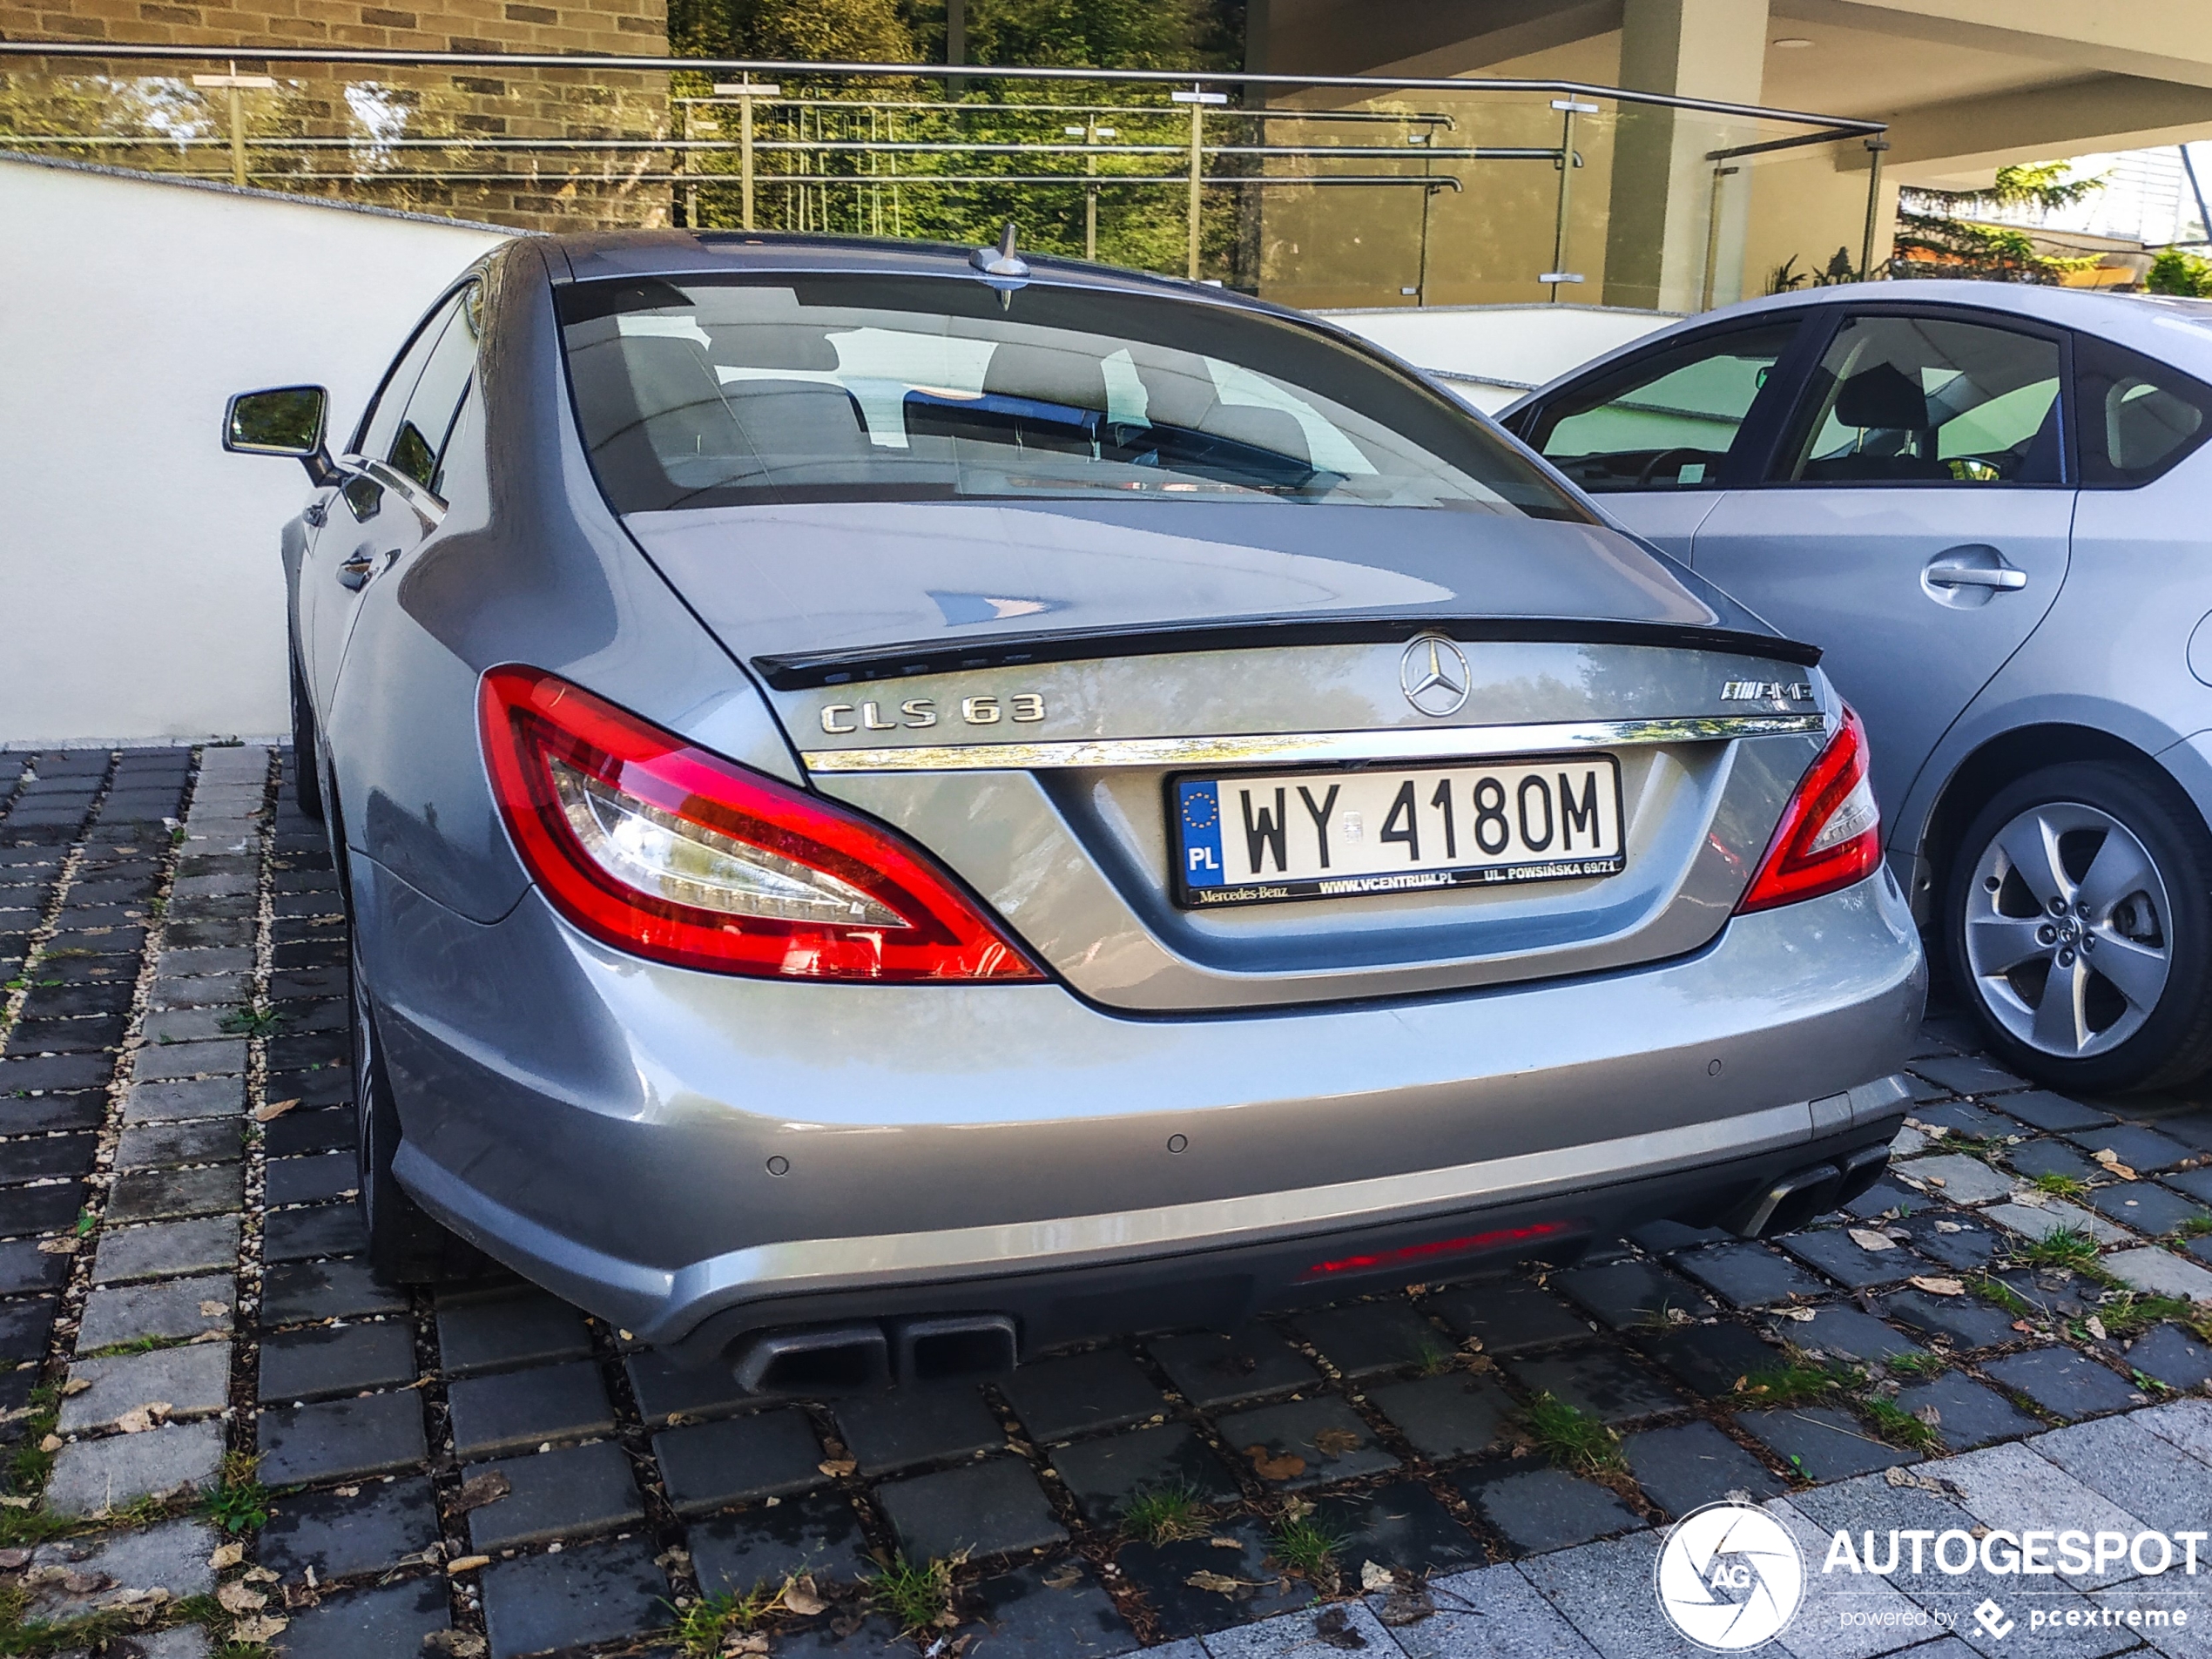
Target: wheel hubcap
2067	932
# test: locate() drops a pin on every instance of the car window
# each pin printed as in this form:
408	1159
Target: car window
1664	421
1924	400
2138	416
702	392
419	441
380	425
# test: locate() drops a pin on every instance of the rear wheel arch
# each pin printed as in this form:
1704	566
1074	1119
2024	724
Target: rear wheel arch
2003	758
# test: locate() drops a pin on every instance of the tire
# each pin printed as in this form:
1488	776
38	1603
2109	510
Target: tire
405	1245
307	754
2077	920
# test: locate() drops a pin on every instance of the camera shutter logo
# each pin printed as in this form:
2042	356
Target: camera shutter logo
1729	1577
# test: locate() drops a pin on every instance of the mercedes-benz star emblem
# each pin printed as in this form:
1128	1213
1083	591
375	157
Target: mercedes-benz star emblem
1433	675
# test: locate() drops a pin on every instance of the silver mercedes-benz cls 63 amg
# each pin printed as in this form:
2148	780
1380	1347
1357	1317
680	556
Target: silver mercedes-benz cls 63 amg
902	807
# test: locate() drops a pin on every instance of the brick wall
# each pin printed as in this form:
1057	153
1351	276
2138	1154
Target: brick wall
542	189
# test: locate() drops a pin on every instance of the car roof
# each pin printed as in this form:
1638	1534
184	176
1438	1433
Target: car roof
2172	330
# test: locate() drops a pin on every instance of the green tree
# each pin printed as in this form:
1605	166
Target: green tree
2175	271
1940	234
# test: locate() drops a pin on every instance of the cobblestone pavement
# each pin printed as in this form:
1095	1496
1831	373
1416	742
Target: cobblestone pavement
226	1439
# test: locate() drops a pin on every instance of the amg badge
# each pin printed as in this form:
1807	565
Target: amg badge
1765	691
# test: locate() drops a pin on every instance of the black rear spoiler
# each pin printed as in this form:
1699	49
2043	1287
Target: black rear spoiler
801	671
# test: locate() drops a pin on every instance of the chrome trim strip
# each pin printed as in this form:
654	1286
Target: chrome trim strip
1408	743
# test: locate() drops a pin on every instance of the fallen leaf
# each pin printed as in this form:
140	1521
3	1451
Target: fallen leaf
837	1467
274	1109
481	1489
76	1386
211	1309
2033	1198
140	1418
1335	1442
1373	1575
1226	1543
1219	1583
1403	1607
1930	1415
457	1644
800	1597
51	1443
1949	1227
1269	1467
58	1247
264	1627
1867	1238
240	1598
2022	1324
13	1502
1935	1181
1937	1286
262	1575
1803	1316
347	1491
1333	1626
756	1642
1065	1576
2094	1326
466	1564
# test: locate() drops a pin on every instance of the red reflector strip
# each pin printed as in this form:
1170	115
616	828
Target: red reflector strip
1407	1254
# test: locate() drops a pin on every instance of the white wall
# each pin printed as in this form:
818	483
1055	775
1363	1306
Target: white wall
1493	353
140	594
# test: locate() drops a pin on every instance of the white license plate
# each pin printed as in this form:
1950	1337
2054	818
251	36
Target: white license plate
1339	834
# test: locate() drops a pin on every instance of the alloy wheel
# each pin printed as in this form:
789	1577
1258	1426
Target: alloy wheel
2067	930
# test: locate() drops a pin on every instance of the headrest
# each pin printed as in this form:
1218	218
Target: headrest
1883	397
1047	373
772	344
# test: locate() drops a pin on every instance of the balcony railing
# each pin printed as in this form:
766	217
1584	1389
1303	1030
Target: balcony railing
1343	190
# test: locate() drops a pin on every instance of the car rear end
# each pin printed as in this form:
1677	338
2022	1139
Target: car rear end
1253	836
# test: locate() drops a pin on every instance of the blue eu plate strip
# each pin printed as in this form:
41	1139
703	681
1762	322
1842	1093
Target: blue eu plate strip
1198	806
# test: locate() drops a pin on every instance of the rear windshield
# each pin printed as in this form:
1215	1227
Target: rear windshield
713	392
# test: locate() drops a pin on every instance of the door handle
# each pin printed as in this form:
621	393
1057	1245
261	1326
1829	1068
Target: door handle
1945	571
354	573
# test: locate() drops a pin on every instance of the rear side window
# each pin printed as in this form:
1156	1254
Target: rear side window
1928	401
704	392
2138	416
418	441
1665	421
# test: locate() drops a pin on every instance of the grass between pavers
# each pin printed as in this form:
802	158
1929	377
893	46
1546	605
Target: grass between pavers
1572	1438
917	1598
2068	1247
2057	1185
37	1638
1803	1381
1306	1547
1166	1514
240	1502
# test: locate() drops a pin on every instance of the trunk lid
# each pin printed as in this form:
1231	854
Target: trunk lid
1033	689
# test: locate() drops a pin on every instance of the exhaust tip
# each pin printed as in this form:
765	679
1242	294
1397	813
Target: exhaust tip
960	1346
827	1359
1787	1204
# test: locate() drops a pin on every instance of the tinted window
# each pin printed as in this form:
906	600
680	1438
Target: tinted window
381	424
2137	416
710	392
1665	421
420	439
1920	399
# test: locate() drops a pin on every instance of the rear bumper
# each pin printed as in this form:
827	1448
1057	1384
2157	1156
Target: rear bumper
613	1129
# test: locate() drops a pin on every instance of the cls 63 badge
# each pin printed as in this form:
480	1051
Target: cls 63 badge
918	713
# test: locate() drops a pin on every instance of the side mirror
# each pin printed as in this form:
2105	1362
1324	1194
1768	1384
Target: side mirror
286	421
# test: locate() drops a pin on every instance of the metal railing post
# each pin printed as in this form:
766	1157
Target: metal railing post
684	166
1712	238
235	83
1559	275
1874	148
1197	98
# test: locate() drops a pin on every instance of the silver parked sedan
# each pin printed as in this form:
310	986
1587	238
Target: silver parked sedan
1987	502
900	805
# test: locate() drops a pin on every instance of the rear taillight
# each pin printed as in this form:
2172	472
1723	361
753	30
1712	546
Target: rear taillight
1829	836
666	850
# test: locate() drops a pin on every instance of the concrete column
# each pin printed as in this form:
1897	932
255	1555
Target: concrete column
1662	185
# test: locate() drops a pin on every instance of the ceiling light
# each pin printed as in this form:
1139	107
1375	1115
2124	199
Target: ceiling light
1792	42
